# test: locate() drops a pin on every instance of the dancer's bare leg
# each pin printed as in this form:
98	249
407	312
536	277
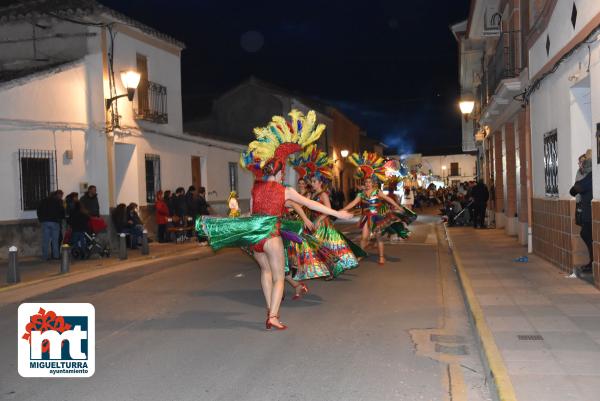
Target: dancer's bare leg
364	239
266	279
380	248
274	253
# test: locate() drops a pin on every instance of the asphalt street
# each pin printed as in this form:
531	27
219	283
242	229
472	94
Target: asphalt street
193	329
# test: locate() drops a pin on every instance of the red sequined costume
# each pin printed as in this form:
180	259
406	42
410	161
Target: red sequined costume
268	198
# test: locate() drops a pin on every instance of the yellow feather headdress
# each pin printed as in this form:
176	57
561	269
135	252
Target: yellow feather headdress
279	139
369	165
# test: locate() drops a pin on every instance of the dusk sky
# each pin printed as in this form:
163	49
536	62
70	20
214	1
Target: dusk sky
391	66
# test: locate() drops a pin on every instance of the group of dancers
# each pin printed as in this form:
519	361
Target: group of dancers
289	232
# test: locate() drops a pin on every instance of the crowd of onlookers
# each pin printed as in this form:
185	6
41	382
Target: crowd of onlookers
69	220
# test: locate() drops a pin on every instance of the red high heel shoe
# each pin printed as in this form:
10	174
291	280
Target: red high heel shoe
303	291
277	326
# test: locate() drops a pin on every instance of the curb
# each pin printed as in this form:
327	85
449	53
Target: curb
110	268
496	369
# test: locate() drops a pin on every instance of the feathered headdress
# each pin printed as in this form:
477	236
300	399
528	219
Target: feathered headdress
278	140
313	163
368	165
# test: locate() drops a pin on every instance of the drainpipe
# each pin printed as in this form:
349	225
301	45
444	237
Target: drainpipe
529	180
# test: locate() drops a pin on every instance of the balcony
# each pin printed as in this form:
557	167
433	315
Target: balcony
501	81
152	102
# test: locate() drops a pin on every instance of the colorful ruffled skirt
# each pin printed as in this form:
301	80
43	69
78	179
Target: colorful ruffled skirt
310	258
390	221
341	246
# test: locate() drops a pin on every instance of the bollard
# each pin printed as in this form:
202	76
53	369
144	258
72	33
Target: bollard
145	249
122	246
65	259
12	275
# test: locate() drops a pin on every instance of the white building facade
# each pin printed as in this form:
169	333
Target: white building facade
57	132
564	60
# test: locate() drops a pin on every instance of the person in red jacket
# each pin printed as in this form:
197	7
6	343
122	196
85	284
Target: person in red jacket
162	214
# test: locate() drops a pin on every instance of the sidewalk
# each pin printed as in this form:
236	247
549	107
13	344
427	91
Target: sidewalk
34	269
508	299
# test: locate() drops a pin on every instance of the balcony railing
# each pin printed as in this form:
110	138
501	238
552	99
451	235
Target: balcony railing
152	102
504	64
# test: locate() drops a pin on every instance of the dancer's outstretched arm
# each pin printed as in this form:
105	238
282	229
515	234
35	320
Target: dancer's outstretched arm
307	223
389	200
294	196
352	204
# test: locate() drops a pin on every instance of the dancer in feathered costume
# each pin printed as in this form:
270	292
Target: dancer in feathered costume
266	158
318	168
309	259
376	217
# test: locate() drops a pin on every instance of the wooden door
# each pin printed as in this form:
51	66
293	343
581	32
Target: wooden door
196	173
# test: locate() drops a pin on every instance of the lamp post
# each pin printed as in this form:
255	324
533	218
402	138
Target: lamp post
344	153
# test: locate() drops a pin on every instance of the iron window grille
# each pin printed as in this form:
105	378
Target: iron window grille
152	177
598	143
233	177
152	102
37	175
551	163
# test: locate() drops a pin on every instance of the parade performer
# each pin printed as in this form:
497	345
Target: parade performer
266	158
311	258
234	208
376	218
318	168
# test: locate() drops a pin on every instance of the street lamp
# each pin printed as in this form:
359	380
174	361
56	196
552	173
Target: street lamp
466	107
130	80
344	153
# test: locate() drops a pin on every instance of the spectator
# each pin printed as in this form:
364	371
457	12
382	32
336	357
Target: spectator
408	199
162	214
202	207
480	195
89	201
79	222
168	199
124	225
70	201
179	205
50	213
583	212
191	202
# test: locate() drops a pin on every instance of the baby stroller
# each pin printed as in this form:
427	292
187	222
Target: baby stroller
461	218
90	244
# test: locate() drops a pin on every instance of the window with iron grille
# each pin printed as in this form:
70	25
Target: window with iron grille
37	174
152	177
454	170
233	177
551	163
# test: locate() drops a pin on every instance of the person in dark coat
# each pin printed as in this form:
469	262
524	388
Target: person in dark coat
480	196
89	201
51	213
179	205
191	202
79	222
202	206
584	189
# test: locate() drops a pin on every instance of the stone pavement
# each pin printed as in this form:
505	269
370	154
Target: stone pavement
545	326
34	269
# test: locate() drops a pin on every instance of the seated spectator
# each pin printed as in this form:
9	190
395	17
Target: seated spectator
123	225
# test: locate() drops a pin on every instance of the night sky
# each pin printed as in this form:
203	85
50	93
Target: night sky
390	65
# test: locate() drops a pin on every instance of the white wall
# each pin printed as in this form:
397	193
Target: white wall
466	164
561	31
563	102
